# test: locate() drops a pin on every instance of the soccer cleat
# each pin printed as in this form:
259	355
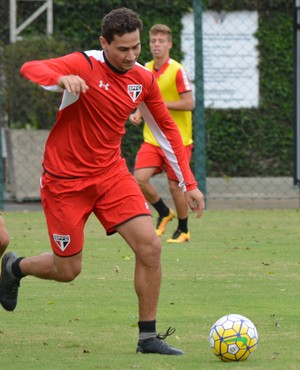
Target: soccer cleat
179	237
9	285
162	222
157	345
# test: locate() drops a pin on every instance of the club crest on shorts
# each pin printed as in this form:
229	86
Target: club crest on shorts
62	241
134	91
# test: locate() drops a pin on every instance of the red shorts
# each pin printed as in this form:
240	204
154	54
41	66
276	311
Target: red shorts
153	156
114	197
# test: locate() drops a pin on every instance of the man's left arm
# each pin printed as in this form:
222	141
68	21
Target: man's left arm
160	122
185	103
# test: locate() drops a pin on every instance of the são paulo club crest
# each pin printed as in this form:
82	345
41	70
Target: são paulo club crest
134	91
62	241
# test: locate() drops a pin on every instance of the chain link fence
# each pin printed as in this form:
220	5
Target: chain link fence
235	106
234	76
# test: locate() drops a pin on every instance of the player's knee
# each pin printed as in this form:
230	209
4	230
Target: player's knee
141	182
150	253
66	269
140	179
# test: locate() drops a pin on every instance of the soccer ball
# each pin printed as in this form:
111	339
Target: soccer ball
233	338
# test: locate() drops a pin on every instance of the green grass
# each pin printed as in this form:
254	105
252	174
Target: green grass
244	262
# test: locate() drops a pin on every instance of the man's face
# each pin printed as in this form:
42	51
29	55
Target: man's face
160	45
123	51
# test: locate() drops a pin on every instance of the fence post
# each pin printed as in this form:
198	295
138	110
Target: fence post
296	92
1	130
199	113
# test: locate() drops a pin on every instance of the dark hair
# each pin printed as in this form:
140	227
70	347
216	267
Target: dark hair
120	21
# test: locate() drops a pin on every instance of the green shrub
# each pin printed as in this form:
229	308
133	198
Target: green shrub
28	105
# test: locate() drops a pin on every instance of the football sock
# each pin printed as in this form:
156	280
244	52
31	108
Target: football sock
161	208
15	268
147	329
182	224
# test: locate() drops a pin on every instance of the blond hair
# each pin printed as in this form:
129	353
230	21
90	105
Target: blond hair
161	28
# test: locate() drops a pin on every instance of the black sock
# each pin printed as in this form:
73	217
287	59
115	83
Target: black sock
15	268
182	224
147	329
161	208
147	326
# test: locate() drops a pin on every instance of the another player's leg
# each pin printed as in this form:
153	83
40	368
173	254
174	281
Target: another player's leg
9	283
66	237
182	233
4	237
140	235
165	214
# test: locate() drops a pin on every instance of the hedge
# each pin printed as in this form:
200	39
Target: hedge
252	142
240	142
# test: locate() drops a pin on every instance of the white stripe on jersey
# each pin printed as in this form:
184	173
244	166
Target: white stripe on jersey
96	54
68	99
186	80
54	88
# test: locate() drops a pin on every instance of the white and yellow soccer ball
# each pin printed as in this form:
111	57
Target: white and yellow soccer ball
233	338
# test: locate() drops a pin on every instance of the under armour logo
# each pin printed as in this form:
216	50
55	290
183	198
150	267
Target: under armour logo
102	84
62	241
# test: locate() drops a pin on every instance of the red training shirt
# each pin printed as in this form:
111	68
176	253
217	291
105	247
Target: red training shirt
86	138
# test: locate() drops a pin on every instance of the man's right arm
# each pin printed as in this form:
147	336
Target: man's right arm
58	73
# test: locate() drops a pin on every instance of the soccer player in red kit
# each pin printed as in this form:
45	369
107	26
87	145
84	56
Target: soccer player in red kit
84	172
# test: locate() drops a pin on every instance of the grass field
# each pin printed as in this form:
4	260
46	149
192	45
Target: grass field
244	262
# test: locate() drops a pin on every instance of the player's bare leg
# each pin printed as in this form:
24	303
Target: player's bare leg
141	237
165	214
45	266
181	234
52	267
179	199
143	176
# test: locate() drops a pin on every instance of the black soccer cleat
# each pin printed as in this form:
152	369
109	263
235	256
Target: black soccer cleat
9	284
157	345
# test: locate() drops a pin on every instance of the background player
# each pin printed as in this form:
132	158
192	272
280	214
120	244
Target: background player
177	93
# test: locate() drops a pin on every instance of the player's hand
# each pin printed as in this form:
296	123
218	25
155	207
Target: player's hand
73	84
195	200
135	118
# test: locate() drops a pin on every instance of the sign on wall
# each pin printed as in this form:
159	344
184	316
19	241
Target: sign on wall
230	57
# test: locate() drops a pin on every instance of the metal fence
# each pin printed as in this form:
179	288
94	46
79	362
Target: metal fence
232	81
